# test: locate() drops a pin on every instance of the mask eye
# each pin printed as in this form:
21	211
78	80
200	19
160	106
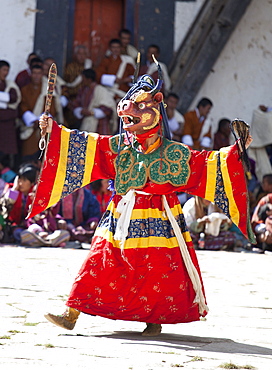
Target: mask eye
141	105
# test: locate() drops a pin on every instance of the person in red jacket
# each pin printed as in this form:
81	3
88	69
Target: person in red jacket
15	202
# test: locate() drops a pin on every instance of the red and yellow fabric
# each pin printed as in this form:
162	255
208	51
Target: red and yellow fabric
148	281
75	158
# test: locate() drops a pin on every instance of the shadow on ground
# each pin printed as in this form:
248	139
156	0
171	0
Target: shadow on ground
187	342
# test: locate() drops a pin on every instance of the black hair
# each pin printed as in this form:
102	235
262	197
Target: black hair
89	73
4	63
155	47
174	95
268	178
47	58
262	212
222	123
204	102
28	172
35	61
31	54
115	41
124	30
36	66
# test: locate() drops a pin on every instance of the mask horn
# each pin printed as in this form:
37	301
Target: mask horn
137	68
159	83
158	66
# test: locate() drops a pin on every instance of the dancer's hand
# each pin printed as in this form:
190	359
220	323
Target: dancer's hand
45	124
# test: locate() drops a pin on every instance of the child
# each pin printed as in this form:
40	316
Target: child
15	202
263	229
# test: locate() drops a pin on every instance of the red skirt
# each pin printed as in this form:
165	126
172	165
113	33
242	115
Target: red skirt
149	281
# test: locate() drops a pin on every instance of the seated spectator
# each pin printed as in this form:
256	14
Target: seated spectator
116	71
72	73
10	98
15	202
126	47
100	189
6	174
94	106
60	88
81	211
197	127
175	118
204	219
264	188
45	229
261	222
23	77
222	136
151	69
73	79
31	107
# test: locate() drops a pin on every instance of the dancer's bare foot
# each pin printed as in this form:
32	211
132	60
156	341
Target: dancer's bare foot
152	330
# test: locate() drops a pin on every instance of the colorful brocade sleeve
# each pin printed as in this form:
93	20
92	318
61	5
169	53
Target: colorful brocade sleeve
219	177
72	160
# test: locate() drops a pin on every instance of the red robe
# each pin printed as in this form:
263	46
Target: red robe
149	281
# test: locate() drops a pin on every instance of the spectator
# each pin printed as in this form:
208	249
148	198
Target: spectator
222	136
34	61
81	211
265	187
175	118
31	107
94	106
126	47
151	69
59	87
45	229
73	70
204	217
261	127
15	202
100	188
10	97
116	71
261	222
73	79
23	77
197	128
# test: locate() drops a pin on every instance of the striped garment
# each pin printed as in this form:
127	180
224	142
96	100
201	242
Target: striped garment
146	279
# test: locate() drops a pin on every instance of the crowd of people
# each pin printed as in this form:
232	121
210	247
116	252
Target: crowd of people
85	98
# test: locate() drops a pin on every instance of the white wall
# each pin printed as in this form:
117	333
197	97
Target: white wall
242	76
17	24
185	13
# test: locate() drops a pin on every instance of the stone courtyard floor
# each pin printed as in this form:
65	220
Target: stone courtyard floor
237	333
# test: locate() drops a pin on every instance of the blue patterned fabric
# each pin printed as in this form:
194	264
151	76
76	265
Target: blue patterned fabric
75	163
143	228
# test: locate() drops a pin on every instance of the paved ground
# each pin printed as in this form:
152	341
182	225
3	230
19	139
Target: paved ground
236	334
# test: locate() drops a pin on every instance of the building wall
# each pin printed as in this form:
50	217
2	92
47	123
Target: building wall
17	20
241	79
185	13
